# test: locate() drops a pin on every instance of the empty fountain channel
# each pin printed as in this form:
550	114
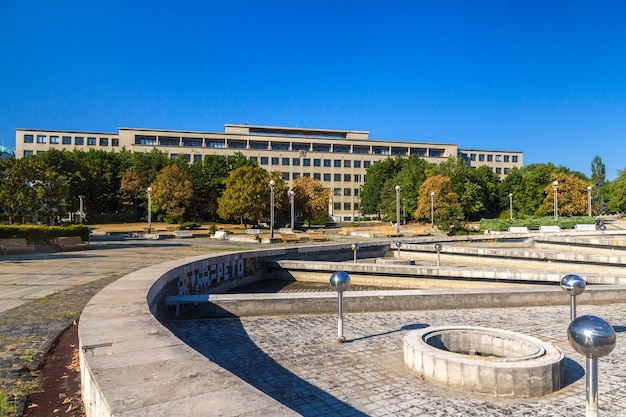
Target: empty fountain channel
486	361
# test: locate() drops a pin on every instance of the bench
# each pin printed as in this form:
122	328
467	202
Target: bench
220	235
182	233
71	243
518	229
317	235
585	227
290	238
253	231
16	245
549	229
178	300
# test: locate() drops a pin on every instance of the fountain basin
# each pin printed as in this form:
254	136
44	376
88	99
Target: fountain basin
484	361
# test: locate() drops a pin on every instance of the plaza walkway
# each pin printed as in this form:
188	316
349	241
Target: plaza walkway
293	359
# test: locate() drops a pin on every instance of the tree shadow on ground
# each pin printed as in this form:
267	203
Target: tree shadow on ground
226	343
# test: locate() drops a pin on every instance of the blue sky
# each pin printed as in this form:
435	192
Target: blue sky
544	77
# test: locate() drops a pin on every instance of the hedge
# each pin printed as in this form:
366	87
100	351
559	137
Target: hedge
43	234
533	223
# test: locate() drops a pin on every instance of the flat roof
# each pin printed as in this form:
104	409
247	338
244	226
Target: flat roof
296	130
84	132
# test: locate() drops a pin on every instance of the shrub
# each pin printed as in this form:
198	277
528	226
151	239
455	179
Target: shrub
43	234
189	225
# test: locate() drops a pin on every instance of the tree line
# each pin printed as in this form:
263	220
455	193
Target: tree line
114	186
456	193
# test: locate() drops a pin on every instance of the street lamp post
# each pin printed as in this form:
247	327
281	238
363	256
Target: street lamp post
149	192
510	206
555	185
292	198
81	211
272	183
589	201
398	209
432	209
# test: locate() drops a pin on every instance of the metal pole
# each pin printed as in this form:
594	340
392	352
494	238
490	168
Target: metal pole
432	210
591	378
398	209
572	307
292	198
589	201
272	210
340	336
555	184
149	209
80	209
510	206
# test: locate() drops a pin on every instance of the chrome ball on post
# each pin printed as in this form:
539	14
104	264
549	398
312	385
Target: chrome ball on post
438	248
340	281
591	336
573	284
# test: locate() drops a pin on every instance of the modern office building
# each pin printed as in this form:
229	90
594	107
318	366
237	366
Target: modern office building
337	158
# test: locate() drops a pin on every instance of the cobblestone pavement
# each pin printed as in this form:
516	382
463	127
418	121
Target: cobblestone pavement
297	361
41	294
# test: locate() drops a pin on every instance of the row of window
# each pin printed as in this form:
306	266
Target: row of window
296	162
324	177
490	157
284	146
347	206
336	163
67	140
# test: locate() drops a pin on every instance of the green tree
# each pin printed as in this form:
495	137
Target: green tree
17	197
375	191
247	195
172	191
311	198
598	180
615	193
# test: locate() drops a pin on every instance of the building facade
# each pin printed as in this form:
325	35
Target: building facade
337	158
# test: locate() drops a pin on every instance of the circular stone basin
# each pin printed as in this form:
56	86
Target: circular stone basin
484	361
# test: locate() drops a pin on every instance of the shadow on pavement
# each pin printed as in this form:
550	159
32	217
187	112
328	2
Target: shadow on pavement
226	343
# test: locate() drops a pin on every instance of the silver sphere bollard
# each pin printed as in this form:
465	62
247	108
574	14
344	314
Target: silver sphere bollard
603	228
573	285
340	282
398	245
438	248
592	337
355	248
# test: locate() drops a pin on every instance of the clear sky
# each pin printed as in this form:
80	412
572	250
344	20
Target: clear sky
544	77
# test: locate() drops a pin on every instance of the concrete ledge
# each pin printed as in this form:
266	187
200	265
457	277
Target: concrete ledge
131	365
251	305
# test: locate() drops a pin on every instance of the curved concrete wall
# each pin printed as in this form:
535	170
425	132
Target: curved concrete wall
131	365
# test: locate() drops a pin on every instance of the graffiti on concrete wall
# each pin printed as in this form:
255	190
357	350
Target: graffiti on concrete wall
213	273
